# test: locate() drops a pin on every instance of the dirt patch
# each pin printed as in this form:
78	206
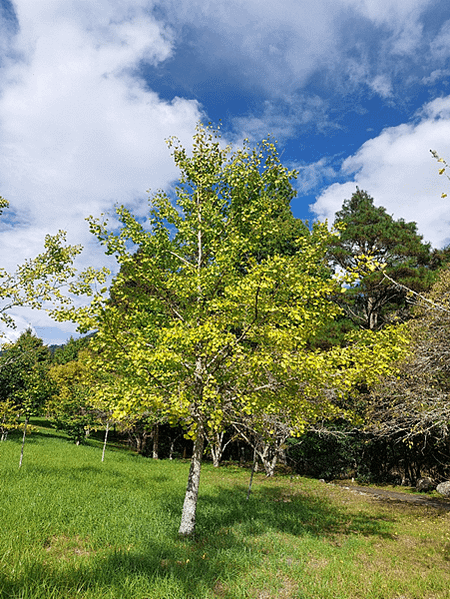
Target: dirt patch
395	496
287	590
317	564
63	547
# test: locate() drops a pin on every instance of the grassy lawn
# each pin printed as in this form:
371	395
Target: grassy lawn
72	527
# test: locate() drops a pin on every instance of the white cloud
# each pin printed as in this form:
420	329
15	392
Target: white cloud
282	119
385	11
40	324
77	130
312	176
382	86
397	169
278	48
435	76
437	109
440	46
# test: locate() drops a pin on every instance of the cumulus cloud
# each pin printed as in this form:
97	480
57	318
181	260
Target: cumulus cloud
80	128
397	169
78	131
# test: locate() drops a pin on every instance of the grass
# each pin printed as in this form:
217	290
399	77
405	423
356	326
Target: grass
72	527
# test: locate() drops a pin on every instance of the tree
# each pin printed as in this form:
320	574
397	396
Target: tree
40	279
17	362
70	350
71	405
413	407
24	382
410	410
368	231
3	204
211	325
9	418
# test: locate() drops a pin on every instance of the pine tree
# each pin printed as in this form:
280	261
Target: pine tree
369	231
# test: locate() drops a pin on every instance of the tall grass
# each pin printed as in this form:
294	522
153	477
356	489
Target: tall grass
74	527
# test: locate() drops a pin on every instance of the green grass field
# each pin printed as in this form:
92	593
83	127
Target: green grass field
72	527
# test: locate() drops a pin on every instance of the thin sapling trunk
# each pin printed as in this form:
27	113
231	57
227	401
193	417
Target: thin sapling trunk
155	453
23	441
105	441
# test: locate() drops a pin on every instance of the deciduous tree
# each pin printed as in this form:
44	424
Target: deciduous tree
39	280
71	404
212	324
415	404
24	381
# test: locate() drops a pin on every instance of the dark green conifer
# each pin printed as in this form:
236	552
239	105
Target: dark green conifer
370	230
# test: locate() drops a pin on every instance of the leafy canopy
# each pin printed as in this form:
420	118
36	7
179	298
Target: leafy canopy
201	309
217	300
38	281
207	313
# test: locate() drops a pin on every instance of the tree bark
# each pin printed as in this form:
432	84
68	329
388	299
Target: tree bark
155	441
23	442
187	525
372	313
217	447
105	441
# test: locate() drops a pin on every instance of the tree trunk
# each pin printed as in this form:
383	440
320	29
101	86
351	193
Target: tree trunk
217	448
23	441
172	446
105	440
155	441
187	526
267	457
372	313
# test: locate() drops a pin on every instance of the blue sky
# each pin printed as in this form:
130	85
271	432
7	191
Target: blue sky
355	91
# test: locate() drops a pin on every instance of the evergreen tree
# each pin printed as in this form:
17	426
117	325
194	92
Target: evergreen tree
368	231
69	351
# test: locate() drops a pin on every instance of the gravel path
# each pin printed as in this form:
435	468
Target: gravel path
441	504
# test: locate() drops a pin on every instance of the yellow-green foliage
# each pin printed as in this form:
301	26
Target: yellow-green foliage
202	321
71	404
9	417
38	281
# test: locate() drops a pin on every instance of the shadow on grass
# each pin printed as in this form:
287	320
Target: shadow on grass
34	436
277	509
222	549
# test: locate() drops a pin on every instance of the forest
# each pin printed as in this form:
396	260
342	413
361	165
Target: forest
236	333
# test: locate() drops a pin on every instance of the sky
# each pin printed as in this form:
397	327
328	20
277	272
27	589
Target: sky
356	92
